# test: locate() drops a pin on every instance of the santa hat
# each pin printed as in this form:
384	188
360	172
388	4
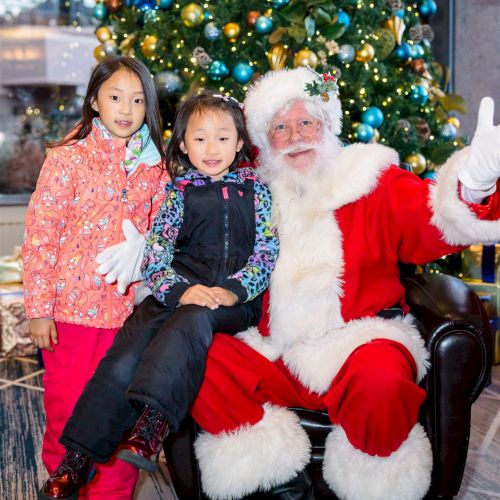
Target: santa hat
275	89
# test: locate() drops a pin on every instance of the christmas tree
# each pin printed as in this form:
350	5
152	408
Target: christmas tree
391	88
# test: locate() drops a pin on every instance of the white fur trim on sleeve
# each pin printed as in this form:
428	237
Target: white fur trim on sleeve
457	222
352	474
263	345
253	457
316	361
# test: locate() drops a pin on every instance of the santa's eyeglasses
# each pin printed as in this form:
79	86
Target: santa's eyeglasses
305	128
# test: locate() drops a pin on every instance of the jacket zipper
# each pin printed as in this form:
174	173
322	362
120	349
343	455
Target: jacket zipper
123	199
225	198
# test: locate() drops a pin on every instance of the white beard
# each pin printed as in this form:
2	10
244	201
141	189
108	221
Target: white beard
276	170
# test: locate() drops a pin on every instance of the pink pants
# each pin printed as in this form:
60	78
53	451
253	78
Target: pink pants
67	370
374	397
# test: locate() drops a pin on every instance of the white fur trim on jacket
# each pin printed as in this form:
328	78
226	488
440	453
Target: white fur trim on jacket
259	343
253	457
273	91
453	217
307	281
354	475
315	362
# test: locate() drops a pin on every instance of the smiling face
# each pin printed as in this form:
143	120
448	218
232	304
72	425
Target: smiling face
294	135
121	105
211	142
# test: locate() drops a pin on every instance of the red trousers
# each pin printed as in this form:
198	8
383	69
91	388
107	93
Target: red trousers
374	397
67	370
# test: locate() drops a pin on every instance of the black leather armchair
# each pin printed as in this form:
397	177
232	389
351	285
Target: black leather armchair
456	330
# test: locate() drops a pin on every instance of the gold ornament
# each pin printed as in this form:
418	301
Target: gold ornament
417	163
277	56
127	45
99	53
167	134
103	34
149	45
365	53
113	5
397	27
252	17
192	15
232	31
376	135
454	121
305	57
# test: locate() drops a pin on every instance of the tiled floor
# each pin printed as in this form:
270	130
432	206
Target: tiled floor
21	422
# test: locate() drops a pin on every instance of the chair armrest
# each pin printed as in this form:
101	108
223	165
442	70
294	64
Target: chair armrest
456	330
445	309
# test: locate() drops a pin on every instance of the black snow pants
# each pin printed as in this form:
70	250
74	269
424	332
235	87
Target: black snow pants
158	358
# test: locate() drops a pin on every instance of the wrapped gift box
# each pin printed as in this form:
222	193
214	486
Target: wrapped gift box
489	293
14	334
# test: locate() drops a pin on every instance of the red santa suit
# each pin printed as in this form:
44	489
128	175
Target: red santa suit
340	245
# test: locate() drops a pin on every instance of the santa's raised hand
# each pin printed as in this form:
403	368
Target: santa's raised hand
481	170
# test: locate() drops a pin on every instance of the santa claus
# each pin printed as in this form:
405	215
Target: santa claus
340	337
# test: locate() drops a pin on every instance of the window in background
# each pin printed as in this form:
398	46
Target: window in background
45	59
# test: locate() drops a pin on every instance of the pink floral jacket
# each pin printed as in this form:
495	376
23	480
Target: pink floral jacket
76	211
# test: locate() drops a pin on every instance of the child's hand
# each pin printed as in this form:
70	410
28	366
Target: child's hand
42	332
225	297
200	295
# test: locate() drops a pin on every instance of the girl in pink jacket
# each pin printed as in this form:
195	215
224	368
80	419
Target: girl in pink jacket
108	170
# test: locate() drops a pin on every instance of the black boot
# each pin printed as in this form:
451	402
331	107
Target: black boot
298	488
144	443
75	470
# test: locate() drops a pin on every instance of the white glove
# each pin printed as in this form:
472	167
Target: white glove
141	292
122	262
482	168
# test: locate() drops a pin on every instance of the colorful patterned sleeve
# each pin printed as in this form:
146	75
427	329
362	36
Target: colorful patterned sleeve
167	286
45	219
255	275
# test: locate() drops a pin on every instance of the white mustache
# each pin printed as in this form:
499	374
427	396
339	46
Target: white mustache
299	148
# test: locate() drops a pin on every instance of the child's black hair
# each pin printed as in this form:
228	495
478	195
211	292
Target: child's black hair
177	161
102	72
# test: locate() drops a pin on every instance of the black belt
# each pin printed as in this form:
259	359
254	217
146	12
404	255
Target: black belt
394	312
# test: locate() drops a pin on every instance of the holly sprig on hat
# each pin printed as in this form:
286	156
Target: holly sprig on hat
322	86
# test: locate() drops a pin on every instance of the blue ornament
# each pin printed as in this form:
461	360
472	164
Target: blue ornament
346	53
417	51
343	18
403	52
167	83
99	11
242	72
212	32
448	132
278	4
164	4
419	94
217	71
399	13
427	8
373	116
144	4
263	25
151	17
364	132
430	174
